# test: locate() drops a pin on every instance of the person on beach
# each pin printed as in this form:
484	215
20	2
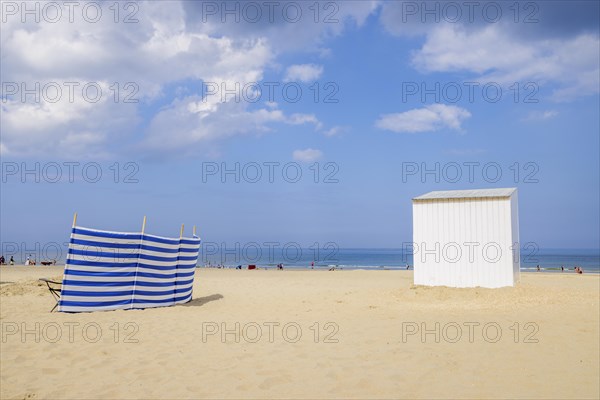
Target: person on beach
562	268
407	266
2	260
312	265
12	260
538	267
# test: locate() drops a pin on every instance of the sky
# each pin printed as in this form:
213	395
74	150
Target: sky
295	121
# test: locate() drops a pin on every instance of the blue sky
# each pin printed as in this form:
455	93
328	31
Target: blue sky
365	141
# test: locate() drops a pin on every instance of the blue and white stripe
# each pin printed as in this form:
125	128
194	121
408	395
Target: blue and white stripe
115	270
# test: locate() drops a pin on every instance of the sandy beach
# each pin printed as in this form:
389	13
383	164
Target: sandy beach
308	334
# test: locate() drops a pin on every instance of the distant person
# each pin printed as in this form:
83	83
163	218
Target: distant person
28	260
12	260
312	265
2	260
407	266
562	268
238	267
538	267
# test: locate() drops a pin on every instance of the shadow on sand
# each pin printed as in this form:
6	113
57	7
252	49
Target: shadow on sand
203	300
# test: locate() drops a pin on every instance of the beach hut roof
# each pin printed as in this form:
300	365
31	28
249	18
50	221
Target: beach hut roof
466	194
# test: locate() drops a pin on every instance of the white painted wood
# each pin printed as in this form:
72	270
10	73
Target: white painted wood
466	240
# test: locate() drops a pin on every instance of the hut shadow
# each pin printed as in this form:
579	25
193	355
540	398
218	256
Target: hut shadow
203	300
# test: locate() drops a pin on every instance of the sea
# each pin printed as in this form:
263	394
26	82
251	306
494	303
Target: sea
549	260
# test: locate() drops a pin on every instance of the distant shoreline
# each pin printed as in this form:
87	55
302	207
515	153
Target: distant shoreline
527	270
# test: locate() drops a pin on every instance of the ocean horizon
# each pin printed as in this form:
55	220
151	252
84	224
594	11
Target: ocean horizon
549	259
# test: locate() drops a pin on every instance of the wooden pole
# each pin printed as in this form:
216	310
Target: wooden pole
74	219
181	233
144	225
194	230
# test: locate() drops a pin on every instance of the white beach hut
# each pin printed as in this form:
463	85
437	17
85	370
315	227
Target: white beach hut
466	238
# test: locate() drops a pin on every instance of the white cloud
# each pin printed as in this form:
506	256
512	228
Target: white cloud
334	131
307	155
541	115
167	53
570	64
303	73
308	34
300	119
186	126
76	128
427	119
152	54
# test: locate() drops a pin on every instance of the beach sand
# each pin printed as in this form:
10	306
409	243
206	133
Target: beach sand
308	334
